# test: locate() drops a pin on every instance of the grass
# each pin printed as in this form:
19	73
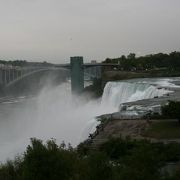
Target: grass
164	129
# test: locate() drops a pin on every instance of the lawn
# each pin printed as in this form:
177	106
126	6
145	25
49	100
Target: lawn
164	129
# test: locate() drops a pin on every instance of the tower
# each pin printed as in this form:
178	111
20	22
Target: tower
77	75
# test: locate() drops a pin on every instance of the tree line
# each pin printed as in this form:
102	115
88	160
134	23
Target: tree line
24	63
152	61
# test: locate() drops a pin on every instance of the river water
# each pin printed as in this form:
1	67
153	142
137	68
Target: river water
55	113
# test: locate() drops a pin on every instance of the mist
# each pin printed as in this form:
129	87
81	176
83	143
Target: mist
53	113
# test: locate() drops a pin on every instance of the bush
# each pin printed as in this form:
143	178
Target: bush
117	159
172	110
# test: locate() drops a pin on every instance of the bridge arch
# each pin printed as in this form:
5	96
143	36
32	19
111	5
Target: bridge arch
35	80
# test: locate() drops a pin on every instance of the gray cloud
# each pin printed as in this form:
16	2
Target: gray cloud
54	30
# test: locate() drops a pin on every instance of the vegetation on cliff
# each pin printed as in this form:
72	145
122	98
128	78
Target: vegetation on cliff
117	159
171	110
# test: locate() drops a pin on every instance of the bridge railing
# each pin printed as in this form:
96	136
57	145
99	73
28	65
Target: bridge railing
11	73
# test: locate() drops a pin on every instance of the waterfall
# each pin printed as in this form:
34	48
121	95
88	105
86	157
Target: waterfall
116	93
55	113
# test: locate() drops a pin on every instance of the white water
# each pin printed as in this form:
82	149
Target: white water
116	93
54	113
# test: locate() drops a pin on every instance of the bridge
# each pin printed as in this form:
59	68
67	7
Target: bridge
79	70
9	74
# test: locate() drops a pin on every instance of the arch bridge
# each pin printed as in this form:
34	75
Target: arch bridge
79	72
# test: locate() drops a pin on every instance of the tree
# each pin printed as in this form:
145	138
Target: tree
131	56
172	110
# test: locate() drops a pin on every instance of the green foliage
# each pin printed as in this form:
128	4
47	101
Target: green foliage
48	161
170	61
169	111
98	167
172	110
117	159
23	63
11	170
14	63
117	148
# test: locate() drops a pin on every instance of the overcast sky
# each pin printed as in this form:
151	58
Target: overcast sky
54	30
